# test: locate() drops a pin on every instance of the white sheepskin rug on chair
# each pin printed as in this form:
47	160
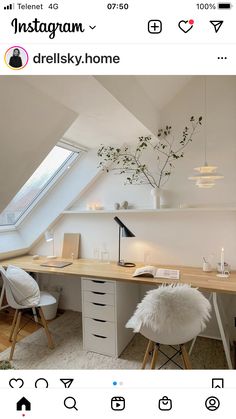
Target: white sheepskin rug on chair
169	307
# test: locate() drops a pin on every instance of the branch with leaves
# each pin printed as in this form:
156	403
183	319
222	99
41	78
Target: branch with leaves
165	149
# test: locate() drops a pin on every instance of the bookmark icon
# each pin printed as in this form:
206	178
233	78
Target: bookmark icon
67	382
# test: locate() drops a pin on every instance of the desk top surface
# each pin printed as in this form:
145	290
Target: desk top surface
111	271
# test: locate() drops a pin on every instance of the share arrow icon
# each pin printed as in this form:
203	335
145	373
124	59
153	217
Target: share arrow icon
67	382
217	24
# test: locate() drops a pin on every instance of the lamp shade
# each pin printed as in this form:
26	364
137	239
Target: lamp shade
124	230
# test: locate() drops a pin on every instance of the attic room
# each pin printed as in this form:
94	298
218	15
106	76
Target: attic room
117	222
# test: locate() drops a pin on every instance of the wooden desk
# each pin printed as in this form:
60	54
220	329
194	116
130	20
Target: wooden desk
92	269
125	293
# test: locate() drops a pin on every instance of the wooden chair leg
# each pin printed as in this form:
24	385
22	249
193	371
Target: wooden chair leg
15	333
147	354
13	325
186	359
45	325
154	357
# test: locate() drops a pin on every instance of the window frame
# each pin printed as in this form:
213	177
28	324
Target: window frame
59	173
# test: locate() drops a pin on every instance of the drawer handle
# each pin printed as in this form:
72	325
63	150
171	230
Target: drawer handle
99	304
98	282
98	293
99	336
101	321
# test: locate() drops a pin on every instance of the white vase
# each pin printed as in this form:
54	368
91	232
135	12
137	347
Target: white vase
156	196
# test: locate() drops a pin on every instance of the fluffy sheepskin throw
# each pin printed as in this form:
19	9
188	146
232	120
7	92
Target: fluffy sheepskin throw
168	307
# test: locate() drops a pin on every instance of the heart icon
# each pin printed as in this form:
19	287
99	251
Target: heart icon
186	25
16	383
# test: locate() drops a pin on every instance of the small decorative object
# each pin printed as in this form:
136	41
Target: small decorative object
94	206
227	268
105	256
152	161
124	205
156	196
71	245
206	267
116	205
223	272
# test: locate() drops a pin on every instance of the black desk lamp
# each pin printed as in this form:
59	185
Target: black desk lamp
125	233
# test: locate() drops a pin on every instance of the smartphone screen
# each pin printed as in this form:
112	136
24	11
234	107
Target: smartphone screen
117	208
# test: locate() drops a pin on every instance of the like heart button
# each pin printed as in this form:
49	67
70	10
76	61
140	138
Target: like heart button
186	25
16	383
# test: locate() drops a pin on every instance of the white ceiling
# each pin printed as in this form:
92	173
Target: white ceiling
162	89
104	115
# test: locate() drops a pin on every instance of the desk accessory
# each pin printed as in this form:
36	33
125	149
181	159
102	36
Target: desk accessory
206	267
223	267
49	237
71	244
56	264
125	232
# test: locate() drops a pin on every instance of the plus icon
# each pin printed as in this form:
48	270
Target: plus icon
155	26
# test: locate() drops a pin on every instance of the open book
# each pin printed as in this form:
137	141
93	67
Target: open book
152	271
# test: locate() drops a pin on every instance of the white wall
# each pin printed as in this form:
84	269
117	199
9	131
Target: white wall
171	238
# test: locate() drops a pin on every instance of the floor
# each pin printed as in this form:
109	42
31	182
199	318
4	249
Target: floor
27	327
32	351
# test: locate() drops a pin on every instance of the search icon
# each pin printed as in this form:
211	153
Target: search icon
70	403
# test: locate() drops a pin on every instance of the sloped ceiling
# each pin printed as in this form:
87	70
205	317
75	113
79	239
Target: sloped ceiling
112	109
162	89
31	124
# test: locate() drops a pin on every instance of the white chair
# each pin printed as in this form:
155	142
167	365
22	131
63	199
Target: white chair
170	315
45	300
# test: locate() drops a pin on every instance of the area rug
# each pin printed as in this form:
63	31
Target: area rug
32	352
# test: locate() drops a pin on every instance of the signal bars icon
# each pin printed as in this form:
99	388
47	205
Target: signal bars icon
9	6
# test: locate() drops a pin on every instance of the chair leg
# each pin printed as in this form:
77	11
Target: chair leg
147	354
15	333
186	359
45	325
154	356
13	325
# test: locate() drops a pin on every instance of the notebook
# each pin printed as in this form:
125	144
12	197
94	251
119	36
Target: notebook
56	264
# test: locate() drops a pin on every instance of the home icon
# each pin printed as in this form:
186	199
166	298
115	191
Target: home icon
23	403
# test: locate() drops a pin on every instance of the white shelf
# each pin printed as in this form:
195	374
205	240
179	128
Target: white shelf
152	211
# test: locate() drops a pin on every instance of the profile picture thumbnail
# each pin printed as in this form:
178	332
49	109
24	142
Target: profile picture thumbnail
16	57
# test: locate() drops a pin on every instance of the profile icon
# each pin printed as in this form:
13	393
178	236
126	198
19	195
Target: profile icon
16	57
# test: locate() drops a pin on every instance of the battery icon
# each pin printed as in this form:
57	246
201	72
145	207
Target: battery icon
224	5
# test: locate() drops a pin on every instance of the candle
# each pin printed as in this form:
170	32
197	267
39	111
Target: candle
222	260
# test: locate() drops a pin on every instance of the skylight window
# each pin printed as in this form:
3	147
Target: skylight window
53	166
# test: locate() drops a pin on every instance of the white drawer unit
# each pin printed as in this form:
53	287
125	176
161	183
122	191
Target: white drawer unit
106	307
99	311
100	327
100	344
99	285
99	297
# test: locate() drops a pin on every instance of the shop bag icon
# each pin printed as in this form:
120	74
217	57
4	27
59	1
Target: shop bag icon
165	403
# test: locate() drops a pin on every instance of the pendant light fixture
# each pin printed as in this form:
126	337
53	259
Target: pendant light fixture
206	175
